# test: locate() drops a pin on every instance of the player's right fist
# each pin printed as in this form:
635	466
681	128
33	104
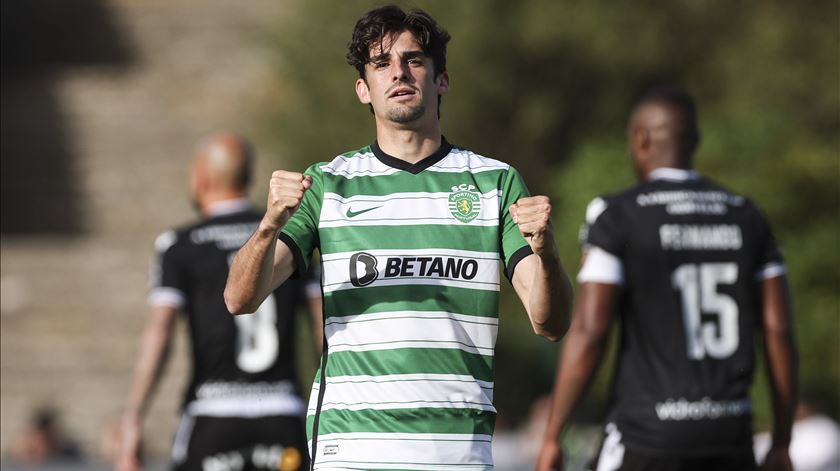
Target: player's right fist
285	192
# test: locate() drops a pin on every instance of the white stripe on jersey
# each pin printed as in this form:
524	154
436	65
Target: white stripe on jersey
465	452
483	272
409	391
359	165
402	209
411	329
424	314
430	252
460	160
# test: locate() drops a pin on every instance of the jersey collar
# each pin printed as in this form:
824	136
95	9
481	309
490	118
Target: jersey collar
391	161
223	208
673	174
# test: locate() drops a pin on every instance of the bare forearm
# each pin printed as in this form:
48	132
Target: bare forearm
251	274
550	298
780	351
539	279
781	355
154	350
579	361
256	268
582	352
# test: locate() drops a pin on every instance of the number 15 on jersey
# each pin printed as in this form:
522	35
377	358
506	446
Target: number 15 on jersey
698	286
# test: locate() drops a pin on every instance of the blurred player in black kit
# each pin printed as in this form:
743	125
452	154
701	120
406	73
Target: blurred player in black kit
693	272
242	408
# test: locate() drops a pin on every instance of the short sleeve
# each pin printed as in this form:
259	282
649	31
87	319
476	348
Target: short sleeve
514	245
770	262
301	231
168	281
602	228
602	245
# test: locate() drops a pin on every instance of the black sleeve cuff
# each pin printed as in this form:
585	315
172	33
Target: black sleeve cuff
297	255
515	259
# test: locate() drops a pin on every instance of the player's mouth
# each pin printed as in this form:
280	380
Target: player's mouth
402	93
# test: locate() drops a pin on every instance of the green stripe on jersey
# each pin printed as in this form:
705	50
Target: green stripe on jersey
352	302
411	361
476	238
428	420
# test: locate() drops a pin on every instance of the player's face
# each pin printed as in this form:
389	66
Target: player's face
399	81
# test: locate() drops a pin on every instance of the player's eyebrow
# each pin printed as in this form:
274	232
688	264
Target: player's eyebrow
412	55
379	58
404	56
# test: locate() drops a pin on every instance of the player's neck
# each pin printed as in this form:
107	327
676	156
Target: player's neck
410	145
667	160
672	173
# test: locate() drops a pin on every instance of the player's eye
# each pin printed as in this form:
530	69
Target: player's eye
380	65
414	62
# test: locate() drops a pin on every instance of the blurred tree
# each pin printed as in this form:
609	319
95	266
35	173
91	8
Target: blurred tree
547	86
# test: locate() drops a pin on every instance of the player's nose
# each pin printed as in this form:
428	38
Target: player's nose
399	71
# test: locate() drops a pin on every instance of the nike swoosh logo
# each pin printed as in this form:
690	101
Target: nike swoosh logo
350	213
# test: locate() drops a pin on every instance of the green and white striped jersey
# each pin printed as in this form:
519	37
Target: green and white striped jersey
411	261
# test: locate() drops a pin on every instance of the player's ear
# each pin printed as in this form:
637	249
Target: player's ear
640	140
442	83
362	91
198	178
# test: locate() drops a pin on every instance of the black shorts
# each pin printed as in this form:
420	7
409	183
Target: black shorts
616	456
236	444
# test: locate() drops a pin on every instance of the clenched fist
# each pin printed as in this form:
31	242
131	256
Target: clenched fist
285	192
533	216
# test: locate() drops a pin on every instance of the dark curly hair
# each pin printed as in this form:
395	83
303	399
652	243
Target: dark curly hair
382	22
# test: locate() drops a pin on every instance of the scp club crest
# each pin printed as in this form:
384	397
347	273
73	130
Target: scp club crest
464	202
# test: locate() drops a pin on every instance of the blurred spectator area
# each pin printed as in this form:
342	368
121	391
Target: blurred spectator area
102	102
40	41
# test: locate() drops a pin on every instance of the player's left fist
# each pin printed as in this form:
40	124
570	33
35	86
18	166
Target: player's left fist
533	216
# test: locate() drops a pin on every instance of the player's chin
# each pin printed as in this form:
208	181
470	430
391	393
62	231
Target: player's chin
406	113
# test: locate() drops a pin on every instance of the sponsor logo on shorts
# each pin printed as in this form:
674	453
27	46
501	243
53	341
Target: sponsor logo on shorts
268	457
